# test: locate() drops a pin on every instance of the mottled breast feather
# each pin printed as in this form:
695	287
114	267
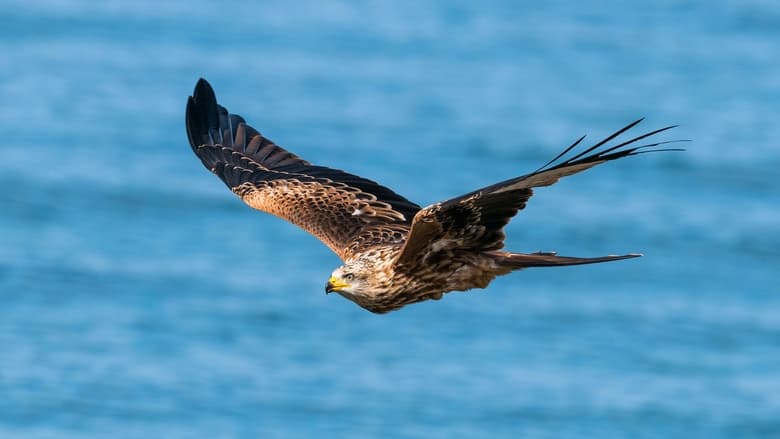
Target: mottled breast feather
346	212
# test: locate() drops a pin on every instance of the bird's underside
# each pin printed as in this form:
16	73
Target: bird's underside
394	252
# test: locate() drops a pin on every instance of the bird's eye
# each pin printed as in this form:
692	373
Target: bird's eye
349	276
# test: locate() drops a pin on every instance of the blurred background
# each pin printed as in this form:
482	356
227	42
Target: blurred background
140	298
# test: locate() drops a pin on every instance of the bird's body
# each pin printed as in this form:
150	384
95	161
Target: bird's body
395	253
393	288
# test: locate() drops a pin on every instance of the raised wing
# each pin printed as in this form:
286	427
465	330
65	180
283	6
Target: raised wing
334	206
474	222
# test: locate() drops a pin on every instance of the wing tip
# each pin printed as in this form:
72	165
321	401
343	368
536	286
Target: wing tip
602	152
202	114
202	90
189	121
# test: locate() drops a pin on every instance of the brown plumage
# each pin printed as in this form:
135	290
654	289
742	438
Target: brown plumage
394	252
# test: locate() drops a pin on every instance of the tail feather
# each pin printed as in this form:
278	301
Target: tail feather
550	259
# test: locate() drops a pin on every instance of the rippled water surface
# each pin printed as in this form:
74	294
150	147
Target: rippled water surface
141	299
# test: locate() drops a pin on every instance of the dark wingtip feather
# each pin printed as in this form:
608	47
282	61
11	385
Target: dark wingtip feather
203	92
612	136
202	115
565	151
190	119
595	154
202	83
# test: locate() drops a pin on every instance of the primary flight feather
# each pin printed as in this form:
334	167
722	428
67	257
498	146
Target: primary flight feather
395	253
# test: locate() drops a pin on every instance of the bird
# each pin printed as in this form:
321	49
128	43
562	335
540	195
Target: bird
394	252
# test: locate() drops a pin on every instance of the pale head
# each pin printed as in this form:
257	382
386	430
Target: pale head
354	278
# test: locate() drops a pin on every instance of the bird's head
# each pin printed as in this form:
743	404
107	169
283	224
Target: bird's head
351	279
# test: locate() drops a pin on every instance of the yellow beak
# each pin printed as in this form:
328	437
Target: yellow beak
335	284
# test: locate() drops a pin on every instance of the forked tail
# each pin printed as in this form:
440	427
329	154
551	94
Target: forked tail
516	261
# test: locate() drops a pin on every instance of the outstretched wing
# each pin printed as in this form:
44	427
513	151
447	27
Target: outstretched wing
332	205
474	222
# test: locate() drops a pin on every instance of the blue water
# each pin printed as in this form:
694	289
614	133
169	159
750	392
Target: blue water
141	299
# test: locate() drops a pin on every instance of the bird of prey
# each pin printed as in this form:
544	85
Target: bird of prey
394	252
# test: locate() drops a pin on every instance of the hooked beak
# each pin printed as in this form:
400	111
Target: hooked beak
335	285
